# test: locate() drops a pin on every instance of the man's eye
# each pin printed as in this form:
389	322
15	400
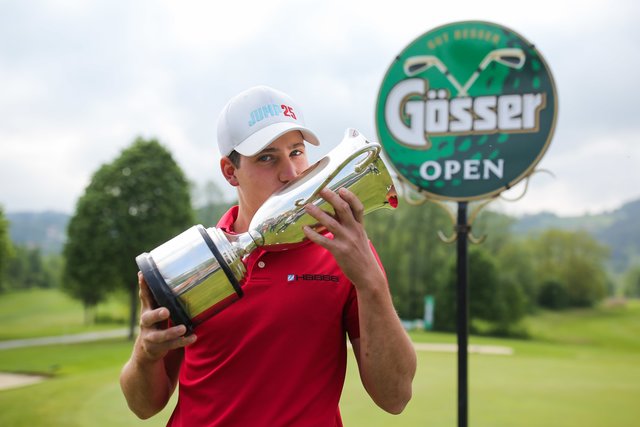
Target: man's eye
295	153
265	158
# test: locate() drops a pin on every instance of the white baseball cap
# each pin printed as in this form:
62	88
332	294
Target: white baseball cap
253	119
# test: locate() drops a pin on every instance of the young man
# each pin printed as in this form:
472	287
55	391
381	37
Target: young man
277	357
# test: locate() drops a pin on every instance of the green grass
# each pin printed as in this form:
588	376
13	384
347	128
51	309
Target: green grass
581	369
616	328
47	312
83	389
540	385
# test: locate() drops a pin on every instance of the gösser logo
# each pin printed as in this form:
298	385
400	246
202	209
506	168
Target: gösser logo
466	110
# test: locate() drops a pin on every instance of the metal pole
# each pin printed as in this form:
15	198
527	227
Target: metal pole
462	229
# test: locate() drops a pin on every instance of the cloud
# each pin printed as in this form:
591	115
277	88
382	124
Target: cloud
81	79
600	175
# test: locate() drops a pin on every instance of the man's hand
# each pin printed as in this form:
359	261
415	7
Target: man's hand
155	339
350	244
150	376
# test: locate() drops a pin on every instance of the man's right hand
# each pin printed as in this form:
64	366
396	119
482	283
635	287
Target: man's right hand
150	376
156	339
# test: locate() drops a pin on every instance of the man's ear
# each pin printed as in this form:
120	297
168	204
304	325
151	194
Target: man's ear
228	171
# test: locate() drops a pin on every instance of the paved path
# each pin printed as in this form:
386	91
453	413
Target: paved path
10	380
121	333
64	339
453	348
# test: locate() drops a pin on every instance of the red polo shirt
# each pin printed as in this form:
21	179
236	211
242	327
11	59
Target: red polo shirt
276	357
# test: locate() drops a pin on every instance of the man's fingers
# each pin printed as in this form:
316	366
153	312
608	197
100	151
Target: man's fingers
146	297
316	237
346	204
166	335
357	208
323	217
157	343
348	208
150	318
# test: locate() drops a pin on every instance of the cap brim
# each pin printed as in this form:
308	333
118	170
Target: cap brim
262	138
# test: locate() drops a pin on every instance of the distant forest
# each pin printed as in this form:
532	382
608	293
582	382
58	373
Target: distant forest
619	230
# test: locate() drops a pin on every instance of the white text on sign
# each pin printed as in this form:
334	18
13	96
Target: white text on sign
410	120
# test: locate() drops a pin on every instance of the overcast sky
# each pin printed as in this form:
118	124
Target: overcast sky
81	79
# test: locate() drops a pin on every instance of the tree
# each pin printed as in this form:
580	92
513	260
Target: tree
492	298
5	247
553	295
576	261
28	269
131	205
497	228
632	281
413	257
211	205
513	255
516	267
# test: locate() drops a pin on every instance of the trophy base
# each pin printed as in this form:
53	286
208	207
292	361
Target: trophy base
162	293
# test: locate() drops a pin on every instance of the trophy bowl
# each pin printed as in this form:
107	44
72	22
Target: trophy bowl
200	272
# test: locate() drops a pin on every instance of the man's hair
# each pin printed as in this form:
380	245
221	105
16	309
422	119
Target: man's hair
234	156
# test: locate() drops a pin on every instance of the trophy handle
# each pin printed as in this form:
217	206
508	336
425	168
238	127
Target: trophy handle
372	150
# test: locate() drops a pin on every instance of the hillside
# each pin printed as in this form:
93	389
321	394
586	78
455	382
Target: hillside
545	220
622	235
46	230
619	230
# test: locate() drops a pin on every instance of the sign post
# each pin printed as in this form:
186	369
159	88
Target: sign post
462	314
464	112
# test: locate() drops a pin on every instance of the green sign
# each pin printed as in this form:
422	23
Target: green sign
429	308
466	110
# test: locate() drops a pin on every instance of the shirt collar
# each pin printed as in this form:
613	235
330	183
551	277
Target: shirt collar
228	219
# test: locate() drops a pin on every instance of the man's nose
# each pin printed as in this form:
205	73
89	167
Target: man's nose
288	171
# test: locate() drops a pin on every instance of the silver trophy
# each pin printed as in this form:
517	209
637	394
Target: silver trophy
200	271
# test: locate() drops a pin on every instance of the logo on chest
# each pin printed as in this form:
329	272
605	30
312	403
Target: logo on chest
312	278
